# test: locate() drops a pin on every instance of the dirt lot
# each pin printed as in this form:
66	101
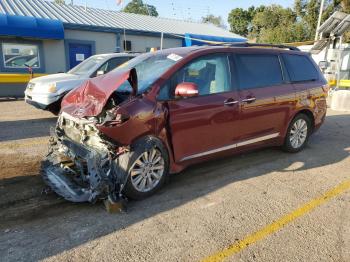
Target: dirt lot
225	208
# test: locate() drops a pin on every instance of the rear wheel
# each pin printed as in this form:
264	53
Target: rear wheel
147	167
298	134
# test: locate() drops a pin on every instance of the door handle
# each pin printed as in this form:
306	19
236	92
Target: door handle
249	100
230	102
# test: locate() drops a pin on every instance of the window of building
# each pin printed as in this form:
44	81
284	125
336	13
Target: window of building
20	55
127	45
258	70
300	68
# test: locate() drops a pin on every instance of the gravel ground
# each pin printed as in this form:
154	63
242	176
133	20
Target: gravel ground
201	211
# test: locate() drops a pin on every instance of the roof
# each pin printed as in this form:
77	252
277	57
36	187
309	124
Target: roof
78	15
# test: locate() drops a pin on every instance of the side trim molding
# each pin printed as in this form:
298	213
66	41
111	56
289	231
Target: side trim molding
239	144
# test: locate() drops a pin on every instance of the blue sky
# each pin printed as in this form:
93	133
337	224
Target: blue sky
188	9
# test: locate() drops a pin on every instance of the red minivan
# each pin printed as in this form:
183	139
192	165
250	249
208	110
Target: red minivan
123	133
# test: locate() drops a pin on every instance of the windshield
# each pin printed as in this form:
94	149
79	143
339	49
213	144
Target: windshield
149	68
85	67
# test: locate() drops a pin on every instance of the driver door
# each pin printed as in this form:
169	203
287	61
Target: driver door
206	124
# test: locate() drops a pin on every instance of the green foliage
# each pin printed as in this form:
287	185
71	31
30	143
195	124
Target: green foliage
215	20
138	7
240	19
276	24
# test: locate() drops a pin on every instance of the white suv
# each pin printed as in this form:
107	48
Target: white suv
46	92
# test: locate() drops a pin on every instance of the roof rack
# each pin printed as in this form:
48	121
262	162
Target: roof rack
245	44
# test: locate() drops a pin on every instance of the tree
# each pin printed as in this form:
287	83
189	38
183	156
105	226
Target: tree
215	20
276	24
240	20
138	7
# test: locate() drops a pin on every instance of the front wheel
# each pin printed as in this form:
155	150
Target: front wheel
298	134
146	166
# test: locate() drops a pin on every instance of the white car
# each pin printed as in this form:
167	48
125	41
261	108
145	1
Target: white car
46	92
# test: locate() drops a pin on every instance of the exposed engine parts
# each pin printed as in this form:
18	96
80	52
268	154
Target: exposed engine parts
80	165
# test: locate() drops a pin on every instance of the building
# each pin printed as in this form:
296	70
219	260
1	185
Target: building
53	38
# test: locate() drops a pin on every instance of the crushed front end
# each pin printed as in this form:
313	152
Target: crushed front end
82	164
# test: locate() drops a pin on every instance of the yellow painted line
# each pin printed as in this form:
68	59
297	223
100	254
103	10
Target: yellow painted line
24	144
17	78
278	224
342	83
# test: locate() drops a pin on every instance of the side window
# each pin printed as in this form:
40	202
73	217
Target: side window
255	70
115	62
210	73
300	68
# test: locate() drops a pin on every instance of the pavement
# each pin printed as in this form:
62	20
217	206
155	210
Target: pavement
265	205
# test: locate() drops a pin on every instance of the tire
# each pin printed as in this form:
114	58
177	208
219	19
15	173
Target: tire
129	166
55	107
297	126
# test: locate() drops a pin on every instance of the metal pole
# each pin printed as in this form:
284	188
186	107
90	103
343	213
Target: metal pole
339	60
124	33
161	41
319	19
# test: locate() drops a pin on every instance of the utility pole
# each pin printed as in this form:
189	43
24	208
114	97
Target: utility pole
319	19
161	40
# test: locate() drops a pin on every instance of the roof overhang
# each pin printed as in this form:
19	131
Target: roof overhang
194	39
31	27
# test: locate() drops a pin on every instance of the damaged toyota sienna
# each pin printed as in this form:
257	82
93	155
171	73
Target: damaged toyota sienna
120	135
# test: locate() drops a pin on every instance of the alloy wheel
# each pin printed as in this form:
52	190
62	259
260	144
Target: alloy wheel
298	133
147	170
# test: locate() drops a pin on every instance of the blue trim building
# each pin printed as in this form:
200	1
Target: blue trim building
52	38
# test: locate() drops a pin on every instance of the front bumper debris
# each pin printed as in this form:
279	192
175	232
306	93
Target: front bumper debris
81	174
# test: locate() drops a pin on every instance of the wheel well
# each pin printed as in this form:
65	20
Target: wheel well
309	114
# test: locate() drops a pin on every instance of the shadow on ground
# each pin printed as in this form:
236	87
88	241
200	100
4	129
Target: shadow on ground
65	225
21	129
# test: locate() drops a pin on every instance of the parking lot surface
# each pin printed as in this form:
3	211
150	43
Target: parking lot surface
261	206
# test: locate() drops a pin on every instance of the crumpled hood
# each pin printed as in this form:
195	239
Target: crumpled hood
90	98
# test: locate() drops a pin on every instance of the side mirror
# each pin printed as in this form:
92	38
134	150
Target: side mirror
186	89
100	73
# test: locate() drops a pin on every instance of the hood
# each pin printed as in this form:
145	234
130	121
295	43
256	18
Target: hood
90	98
55	78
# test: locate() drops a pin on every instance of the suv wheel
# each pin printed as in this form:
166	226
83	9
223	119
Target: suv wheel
146	166
298	134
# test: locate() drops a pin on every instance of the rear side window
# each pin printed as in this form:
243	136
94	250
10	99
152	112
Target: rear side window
255	70
300	68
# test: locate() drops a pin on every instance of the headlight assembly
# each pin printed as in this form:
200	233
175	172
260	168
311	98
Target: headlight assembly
52	88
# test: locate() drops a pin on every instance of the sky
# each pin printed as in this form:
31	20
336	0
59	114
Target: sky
188	9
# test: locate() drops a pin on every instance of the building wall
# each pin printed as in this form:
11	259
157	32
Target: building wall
53	53
140	43
54	58
105	42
